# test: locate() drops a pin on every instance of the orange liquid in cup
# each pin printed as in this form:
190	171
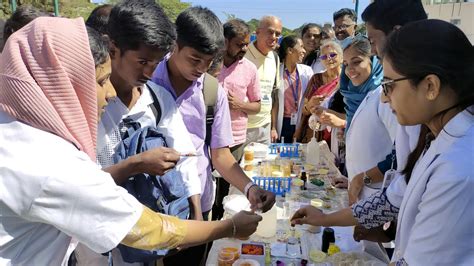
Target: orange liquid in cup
248	155
227	256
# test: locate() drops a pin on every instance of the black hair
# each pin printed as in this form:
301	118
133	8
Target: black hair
99	46
133	23
287	42
384	15
308	26
22	16
216	64
361	44
235	27
345	12
326	32
200	29
416	51
99	18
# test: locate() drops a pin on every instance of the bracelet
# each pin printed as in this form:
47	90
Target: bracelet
247	188
234	228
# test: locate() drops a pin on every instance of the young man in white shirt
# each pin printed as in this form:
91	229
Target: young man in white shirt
135	51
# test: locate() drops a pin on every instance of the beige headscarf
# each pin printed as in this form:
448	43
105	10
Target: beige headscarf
47	80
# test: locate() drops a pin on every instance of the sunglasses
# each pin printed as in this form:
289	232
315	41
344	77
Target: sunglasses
328	56
387	89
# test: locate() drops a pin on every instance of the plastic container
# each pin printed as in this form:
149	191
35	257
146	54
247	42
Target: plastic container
312	152
253	251
227	256
267	227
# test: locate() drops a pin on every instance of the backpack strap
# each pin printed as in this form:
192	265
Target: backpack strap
210	98
155	107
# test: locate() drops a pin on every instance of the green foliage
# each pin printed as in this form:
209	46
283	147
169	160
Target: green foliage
67	8
82	8
253	24
361	29
172	8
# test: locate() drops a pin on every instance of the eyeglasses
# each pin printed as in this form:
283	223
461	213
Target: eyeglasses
385	85
328	56
343	26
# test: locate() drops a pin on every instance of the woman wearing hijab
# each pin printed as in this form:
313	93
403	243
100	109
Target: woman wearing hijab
51	188
370	125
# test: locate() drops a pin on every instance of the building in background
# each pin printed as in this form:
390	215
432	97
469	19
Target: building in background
458	12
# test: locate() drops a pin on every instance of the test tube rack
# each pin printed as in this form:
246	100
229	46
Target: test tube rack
284	149
277	185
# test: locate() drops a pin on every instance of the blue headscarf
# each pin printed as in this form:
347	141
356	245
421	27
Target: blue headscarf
354	95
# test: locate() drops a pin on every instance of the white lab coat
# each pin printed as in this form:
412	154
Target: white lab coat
49	192
370	137
405	142
305	73
435	222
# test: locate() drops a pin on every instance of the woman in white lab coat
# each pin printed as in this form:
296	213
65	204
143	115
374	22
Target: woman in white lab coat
371	126
295	78
429	80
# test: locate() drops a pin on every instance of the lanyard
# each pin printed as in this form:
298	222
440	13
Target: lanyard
293	89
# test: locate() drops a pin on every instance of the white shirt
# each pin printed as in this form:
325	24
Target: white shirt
370	137
171	125
435	222
50	192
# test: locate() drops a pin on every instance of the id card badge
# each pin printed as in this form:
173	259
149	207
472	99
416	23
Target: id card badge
294	118
388	178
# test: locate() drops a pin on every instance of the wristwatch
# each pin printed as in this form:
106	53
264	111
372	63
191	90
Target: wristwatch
367	179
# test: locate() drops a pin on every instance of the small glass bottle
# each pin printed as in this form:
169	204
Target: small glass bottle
304	178
327	238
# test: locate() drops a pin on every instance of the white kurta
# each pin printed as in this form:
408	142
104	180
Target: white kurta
305	73
50	192
436	218
370	137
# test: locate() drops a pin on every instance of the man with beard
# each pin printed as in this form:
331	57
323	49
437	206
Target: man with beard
239	79
345	23
262	126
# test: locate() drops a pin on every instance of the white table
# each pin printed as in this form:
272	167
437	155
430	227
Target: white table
308	240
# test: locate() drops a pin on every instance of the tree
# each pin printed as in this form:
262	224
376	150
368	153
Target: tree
67	8
172	8
253	24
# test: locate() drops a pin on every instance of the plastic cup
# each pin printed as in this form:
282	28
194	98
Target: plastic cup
227	256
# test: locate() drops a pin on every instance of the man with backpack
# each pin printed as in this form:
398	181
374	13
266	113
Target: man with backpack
200	39
140	35
262	126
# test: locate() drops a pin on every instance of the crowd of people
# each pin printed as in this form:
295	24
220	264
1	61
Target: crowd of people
395	107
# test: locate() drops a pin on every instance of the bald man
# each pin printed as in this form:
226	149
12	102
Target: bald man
262	126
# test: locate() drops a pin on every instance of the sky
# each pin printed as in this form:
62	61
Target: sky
293	13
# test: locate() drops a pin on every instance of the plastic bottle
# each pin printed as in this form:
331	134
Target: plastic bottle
267	227
312	152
